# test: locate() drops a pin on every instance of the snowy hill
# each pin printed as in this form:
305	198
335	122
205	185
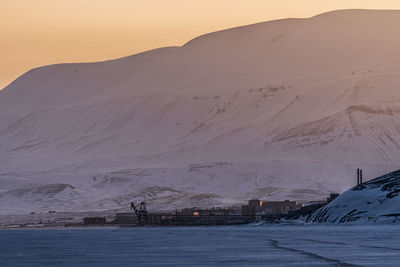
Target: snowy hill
375	201
285	109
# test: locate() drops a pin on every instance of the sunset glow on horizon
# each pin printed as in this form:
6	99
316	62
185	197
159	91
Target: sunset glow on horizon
42	32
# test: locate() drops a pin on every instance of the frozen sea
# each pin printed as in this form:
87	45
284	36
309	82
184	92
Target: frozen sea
264	245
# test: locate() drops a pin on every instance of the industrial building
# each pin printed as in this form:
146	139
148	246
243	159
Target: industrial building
256	206
280	207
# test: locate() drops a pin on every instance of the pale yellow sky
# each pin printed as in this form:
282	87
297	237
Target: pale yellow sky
40	32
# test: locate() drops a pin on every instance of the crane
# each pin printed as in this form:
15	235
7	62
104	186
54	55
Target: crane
141	213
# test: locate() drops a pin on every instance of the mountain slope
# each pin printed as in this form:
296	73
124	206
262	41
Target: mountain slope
375	200
283	105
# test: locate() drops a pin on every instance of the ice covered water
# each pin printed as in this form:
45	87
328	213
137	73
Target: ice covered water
266	245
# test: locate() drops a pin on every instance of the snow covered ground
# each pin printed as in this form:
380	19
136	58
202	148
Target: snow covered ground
315	245
377	200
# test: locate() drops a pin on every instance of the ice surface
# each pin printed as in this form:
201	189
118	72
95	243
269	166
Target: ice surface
377	245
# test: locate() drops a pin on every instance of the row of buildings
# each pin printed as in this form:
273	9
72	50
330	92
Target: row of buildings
259	207
255	209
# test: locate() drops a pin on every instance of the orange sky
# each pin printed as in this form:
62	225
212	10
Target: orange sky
40	32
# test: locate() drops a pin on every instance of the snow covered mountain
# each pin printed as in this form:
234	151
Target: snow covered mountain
285	109
375	201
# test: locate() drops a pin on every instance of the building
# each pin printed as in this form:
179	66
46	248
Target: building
280	207
126	218
159	218
256	206
94	221
206	212
151	219
214	216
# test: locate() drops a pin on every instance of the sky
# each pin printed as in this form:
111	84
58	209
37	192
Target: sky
41	32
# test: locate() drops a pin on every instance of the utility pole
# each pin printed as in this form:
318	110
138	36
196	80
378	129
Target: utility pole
359	177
